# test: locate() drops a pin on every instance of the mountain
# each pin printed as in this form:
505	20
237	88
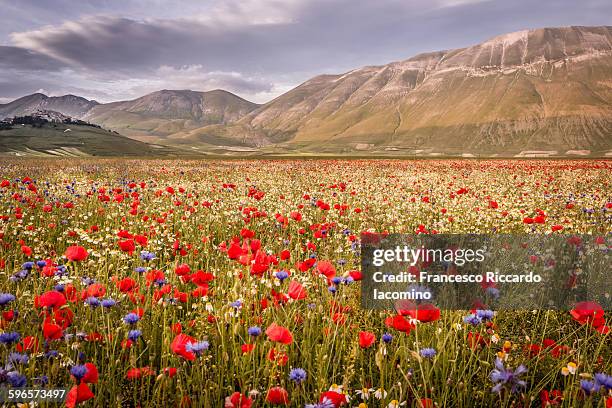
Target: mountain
159	114
48	133
69	105
532	92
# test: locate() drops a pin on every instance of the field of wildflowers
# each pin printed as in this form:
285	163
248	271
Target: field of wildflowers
237	284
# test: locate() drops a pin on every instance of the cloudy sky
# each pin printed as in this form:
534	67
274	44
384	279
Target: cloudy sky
121	49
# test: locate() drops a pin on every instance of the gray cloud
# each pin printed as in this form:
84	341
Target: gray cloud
256	48
27	59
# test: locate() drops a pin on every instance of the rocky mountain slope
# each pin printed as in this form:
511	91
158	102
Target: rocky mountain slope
544	90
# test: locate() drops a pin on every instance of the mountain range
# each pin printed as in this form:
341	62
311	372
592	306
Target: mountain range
541	92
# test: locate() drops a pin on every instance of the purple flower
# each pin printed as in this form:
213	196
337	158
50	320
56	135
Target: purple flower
198	347
92	301
254	331
78	371
428	353
326	403
8	338
134	334
297	375
17	380
6	298
472	319
106	303
18	358
485	315
131	318
604	380
282	275
502	376
590	387
387	337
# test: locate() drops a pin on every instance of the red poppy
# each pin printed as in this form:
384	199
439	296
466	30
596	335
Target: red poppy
366	339
279	334
76	253
52	331
326	268
77	394
51	299
126	285
135	373
170	371
588	313
91	376
334	397
277	396
29	343
399	322
179	346
247	348
127	246
237	400
296	290
555	397
95	290
425	312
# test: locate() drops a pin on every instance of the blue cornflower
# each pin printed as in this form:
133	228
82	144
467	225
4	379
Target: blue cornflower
6	298
92	301
131	318
198	347
297	375
16	380
59	287
51	354
485	314
337	280
134	334
41	264
147	256
325	403
332	289
18	358
604	379
87	281
502	376
428	353
282	275
28	265
387	337
8	338
590	387
472	319
237	304
140	269
108	303
78	371
254	331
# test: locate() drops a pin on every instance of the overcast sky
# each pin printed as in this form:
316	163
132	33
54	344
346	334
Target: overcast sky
122	49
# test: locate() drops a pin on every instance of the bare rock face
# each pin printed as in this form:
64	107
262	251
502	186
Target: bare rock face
544	89
69	105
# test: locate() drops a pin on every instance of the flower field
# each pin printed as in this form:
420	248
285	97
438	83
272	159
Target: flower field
236	283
